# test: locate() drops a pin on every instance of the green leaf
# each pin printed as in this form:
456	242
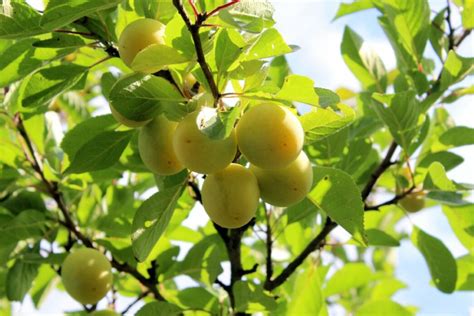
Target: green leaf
338	196
461	219
402	115
151	220
100	152
157	57
268	44
440	261
300	89
407	24
438	39
59	13
300	211
140	97
449	198
251	298
320	123
468	14
455	69
199	298
83	132
448	159
47	83
307	298
352	7
350	276
218	125
228	47
27	224
43	282
159	309
327	97
278	71
378	237
60	40
465	266
437	180
458	136
382	307
386	288
19	20
365	64
19	280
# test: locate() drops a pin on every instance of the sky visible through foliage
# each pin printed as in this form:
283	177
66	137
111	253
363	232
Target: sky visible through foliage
308	25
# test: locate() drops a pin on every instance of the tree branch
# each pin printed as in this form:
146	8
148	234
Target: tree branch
54	192
392	201
138	299
384	165
194	30
315	244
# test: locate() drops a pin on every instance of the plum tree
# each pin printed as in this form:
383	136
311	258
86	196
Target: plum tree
413	202
137	36
86	275
285	186
155	145
200	153
230	196
270	136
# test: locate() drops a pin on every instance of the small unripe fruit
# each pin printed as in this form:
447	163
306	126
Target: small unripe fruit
155	145
285	186
87	275
200	153
125	121
270	136
230	196
413	202
137	36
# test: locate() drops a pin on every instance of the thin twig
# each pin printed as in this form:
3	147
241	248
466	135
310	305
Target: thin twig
392	201
222	7
138	299
194	30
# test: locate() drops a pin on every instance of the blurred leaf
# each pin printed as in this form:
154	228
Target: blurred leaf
268	44
458	136
228	47
156	57
307	297
320	123
440	261
151	220
100	152
402	115
386	288
461	219
61	40
448	159
159	309
140	97
338	196
59	13
199	298
251	298
300	89
327	97
47	83
19	20
350	276
465	266
352	7
364	63
382	307
468	14
83	132
437	180
43	282
378	237
19	280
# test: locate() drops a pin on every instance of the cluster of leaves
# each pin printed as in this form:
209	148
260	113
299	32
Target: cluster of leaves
69	176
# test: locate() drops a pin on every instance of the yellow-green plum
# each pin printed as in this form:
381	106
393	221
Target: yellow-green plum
125	121
86	275
137	36
230	196
155	145
413	202
285	186
270	136
199	153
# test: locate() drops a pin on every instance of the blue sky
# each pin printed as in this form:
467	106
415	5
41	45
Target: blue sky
308	25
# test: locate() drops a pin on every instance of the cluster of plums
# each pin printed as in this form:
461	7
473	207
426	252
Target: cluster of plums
268	135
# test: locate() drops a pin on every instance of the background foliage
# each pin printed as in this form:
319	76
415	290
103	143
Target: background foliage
70	177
